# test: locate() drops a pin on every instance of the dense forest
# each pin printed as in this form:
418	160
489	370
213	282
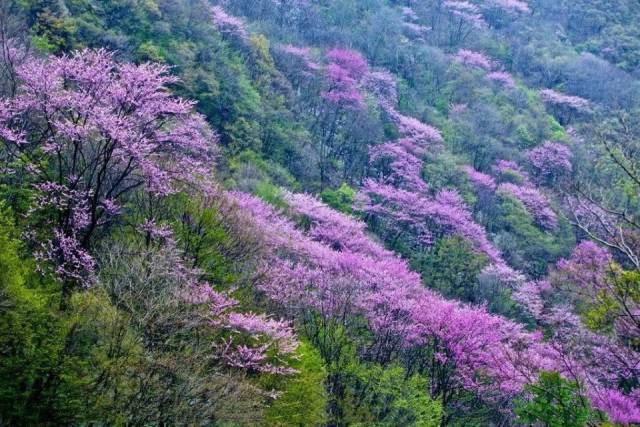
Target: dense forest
319	213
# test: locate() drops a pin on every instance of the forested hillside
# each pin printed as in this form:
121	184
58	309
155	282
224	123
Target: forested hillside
319	212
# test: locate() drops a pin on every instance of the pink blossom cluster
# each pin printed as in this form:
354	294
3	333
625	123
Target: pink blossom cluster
518	6
350	60
392	163
421	217
104	129
15	136
344	74
503	275
382	84
534	202
481	61
343	284
416	134
480	180
71	261
550	160
622	409
590	275
505	170
409	14
338	231
501	77
155	231
411	26
458	108
413	128
529	295
303	54
414	30
587	267
553	97
473	59
597	362
229	24
466	11
252	338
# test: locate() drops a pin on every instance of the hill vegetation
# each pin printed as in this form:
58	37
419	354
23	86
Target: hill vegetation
323	213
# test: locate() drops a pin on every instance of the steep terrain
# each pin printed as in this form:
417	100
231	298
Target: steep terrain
314	212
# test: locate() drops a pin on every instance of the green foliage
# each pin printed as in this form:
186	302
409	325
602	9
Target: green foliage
558	132
303	399
150	52
527	140
452	268
524	245
51	30
248	170
270	194
385	396
206	239
554	402
444	172
603	309
56	364
31	337
341	198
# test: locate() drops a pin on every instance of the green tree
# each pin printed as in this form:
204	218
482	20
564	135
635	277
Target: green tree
341	198
452	268
386	396
303	401
554	402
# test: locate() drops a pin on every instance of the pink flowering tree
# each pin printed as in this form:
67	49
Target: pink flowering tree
501	78
598	363
550	161
565	107
151	280
343	74
534	202
473	59
334	282
499	12
607	295
463	18
228	24
341	99
93	131
480	180
420	219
